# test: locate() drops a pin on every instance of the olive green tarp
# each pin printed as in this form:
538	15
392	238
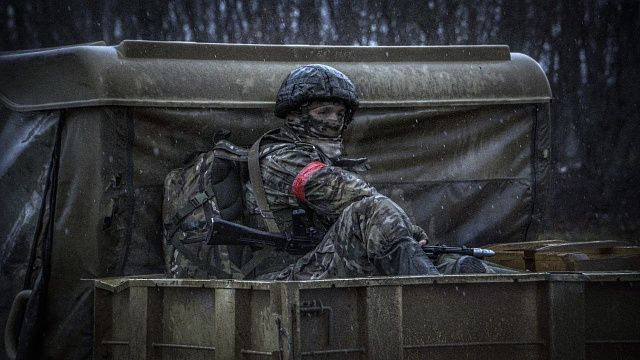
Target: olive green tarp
457	136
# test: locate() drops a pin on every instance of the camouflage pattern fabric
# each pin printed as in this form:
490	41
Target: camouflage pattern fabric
186	227
325	134
282	157
372	236
367	233
315	82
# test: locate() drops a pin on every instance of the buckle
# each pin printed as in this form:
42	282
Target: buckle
198	199
266	214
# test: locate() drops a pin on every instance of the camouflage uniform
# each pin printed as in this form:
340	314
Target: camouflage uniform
301	165
367	233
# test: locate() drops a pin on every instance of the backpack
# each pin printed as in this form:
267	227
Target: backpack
210	186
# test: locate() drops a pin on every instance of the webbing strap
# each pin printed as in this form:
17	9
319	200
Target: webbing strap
194	203
255	176
257	258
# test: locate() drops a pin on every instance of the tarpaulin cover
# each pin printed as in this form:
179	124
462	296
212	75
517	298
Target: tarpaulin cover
464	174
26	143
469	171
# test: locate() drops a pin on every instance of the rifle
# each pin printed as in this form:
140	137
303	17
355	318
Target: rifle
304	239
434	250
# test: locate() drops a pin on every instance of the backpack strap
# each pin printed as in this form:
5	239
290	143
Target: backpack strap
255	176
199	199
194	203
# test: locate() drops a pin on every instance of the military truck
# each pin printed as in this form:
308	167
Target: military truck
459	136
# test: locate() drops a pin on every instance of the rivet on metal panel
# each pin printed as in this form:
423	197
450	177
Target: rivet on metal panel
315	307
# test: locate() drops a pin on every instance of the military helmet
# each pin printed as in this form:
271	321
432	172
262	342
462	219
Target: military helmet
316	82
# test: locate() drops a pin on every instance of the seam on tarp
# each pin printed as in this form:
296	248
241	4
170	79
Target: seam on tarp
42	210
48	243
130	189
31	333
534	169
428	182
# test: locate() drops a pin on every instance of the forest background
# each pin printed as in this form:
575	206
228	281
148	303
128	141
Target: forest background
586	48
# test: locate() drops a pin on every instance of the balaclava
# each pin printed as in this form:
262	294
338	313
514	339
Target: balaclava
324	132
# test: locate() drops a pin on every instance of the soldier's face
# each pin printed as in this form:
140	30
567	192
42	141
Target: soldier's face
327	118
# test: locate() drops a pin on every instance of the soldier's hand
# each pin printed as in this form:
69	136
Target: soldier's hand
420	235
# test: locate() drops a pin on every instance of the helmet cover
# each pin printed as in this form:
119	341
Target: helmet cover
316	82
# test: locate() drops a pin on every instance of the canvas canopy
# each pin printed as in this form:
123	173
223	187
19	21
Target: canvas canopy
458	136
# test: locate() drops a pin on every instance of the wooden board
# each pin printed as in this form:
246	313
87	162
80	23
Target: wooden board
557	255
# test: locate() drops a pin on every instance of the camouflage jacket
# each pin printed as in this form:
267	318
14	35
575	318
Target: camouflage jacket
297	174
364	229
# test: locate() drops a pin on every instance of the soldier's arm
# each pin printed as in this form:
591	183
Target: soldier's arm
329	189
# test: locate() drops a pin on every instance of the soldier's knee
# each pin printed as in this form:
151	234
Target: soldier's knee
405	257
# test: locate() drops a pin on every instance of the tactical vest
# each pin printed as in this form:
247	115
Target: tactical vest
209	187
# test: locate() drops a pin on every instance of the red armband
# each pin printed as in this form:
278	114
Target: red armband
297	188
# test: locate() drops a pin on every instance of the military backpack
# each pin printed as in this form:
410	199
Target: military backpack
210	186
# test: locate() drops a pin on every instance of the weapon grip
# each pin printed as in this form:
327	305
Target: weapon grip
299	217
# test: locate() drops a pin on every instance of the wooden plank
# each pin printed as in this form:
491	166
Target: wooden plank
606	264
524	245
581	246
555	255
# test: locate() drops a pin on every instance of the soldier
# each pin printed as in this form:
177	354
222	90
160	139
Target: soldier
302	166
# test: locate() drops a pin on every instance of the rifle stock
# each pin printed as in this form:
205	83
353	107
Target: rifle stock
225	232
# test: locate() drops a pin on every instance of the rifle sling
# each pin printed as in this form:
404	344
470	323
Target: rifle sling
255	176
